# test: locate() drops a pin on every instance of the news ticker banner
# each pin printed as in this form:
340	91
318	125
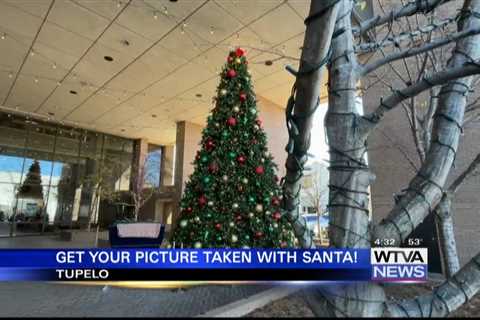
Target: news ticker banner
145	264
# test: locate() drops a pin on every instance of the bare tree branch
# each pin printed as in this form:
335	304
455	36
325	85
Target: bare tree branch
408	10
467	69
417	50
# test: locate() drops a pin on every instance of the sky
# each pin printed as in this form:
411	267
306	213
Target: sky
318	145
14	164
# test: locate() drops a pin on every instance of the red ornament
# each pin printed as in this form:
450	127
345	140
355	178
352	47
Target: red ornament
240	188
275	201
213	167
231	73
238	218
202	201
259	170
231	121
259	122
239	52
283	244
277	215
275	178
209	144
243	96
218	226
258	234
230	58
241	159
254	141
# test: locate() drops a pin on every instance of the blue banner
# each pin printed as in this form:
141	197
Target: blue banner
324	264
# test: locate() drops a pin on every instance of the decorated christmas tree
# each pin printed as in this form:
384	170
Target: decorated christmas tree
232	199
32	185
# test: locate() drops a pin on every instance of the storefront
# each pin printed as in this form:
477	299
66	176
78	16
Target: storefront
50	174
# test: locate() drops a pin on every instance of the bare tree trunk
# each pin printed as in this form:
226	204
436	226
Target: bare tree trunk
426	189
315	49
350	176
446	298
446	237
350	179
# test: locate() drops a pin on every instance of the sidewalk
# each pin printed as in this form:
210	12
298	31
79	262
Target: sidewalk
24	299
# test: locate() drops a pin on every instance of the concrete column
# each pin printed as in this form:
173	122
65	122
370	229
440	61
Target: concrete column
139	156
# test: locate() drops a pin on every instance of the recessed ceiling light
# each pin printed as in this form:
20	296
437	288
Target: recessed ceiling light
198	95
155	15
73	92
173	0
123	130
108	58
10	75
4	35
154	115
51	114
268	62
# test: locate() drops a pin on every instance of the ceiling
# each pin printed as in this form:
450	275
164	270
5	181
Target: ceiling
166	59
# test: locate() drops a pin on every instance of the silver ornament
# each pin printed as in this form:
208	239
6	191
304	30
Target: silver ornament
197	219
259	208
183	223
197	245
225	178
236	109
231	224
250	214
210	203
235	206
234	238
244	180
223	92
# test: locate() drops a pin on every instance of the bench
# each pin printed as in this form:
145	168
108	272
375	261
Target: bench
137	242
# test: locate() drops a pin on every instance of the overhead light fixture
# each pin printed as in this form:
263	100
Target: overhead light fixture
119	4
211	30
173	0
108	58
155	15
32	53
51	114
10	75
268	62
36	80
54	66
59	83
4	35
73	92
154	115
198	95
165	11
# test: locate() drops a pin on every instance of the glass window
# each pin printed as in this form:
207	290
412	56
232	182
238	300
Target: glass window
153	166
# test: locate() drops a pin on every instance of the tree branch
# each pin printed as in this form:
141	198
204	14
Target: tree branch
408	10
444	299
439	78
417	50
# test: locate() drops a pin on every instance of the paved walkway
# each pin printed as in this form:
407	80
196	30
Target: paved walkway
60	300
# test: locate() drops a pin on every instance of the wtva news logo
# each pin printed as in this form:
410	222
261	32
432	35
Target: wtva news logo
399	264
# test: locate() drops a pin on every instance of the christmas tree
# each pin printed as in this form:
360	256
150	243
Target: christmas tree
32	185
232	199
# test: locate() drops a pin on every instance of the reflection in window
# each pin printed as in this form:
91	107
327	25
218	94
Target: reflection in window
153	166
49	173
